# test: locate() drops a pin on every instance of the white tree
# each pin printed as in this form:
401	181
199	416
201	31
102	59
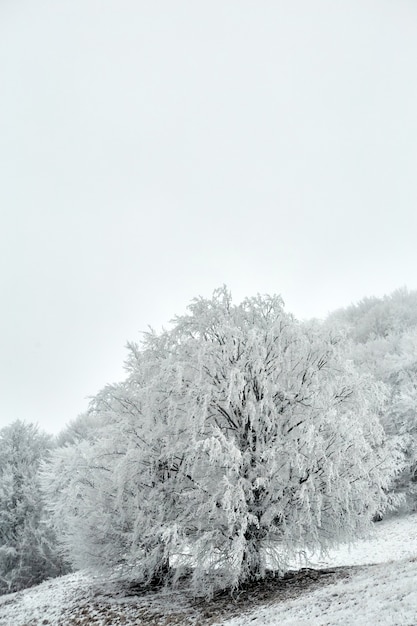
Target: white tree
384	343
84	427
239	439
28	548
103	491
377	318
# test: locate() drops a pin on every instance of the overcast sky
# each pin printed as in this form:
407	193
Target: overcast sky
151	151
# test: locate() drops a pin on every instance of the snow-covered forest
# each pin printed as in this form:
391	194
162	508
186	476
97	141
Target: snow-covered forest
240	439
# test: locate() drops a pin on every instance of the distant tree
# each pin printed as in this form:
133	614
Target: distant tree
28	547
84	427
384	343
378	318
239	439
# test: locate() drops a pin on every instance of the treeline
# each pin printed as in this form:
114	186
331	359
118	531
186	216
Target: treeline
240	438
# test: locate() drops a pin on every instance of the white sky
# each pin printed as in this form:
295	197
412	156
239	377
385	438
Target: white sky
151	151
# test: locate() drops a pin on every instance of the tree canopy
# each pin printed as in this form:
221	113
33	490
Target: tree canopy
239	438
28	548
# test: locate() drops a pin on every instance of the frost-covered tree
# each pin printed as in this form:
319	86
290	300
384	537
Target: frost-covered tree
28	547
84	427
239	438
377	318
384	344
102	491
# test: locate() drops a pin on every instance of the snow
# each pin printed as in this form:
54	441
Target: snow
381	591
394	539
377	595
43	603
384	594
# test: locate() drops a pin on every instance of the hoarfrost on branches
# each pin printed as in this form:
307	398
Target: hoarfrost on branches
239	438
384	344
28	547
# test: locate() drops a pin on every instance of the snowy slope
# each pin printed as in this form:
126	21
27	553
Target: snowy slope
384	593
393	539
378	595
44	603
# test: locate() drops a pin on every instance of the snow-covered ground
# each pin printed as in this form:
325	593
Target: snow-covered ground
379	595
384	594
394	539
46	602
383	591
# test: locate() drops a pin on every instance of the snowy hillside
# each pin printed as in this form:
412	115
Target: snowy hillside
381	590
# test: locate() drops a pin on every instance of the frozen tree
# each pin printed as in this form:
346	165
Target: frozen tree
377	318
84	427
28	548
239	439
102	491
384	343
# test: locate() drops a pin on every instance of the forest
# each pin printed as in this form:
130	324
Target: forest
240	438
